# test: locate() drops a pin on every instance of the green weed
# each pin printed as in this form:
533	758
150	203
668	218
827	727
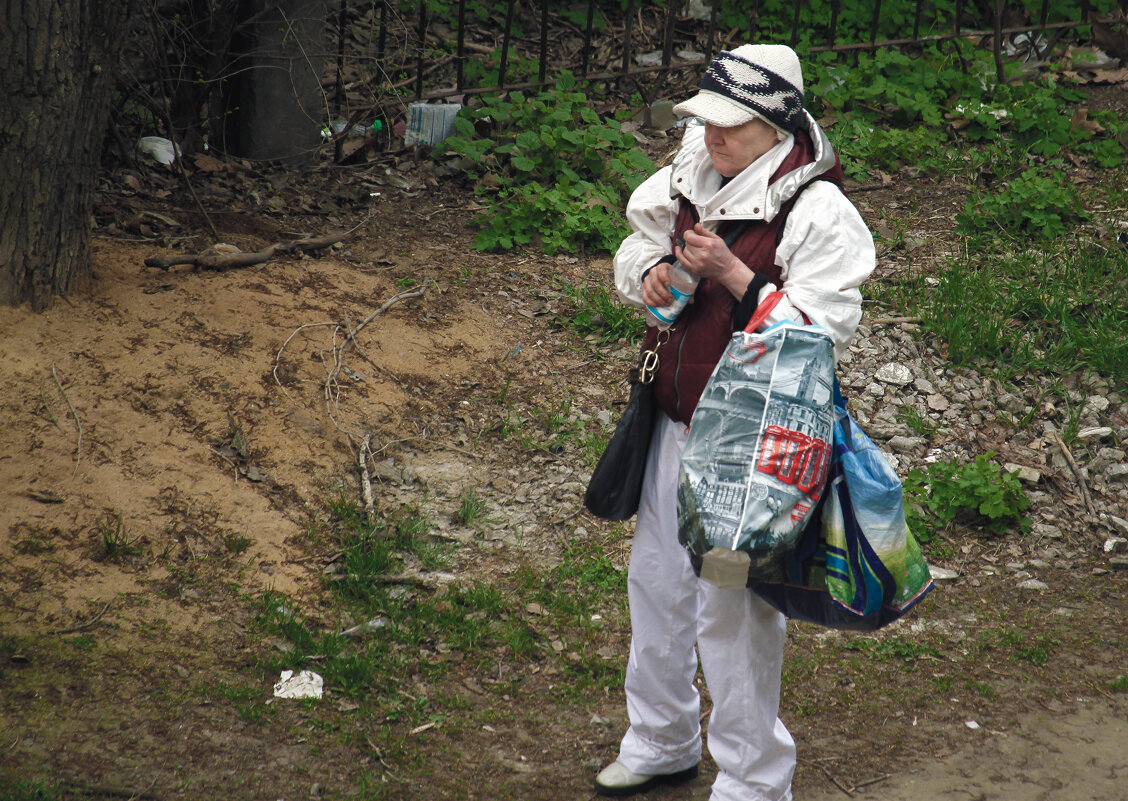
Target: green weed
1052	310
29	791
114	541
1030	205
1036	651
471	509
981	688
598	316
911	416
1119	684
550	170
892	648
235	543
980	493
554	427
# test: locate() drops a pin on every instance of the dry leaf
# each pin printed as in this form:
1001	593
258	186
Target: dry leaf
1082	122
205	163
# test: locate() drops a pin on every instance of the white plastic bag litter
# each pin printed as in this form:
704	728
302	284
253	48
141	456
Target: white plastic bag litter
305	684
159	148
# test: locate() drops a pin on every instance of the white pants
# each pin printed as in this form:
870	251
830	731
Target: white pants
740	639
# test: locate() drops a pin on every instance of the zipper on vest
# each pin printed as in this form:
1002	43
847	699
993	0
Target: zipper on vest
677	376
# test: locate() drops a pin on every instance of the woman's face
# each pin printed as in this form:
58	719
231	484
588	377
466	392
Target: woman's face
733	149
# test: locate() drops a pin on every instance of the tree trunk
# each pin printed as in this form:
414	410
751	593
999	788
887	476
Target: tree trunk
57	65
276	103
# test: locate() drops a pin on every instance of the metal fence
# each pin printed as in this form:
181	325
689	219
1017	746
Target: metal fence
608	52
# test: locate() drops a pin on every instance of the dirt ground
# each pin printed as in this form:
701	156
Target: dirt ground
170	436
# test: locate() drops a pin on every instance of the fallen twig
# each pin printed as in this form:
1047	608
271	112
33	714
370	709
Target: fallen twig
219	259
278	356
1083	489
332	390
77	422
868	782
380	756
366	481
85	625
47	406
830	776
890	320
387	304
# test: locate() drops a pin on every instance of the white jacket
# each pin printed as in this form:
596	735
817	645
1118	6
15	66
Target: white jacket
826	251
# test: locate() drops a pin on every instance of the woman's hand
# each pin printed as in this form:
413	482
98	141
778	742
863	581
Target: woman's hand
706	255
656	286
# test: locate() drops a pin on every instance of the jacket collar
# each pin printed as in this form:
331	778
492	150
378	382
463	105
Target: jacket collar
751	194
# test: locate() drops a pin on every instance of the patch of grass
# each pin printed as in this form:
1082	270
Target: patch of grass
591	672
981	688
83	642
471	509
592	444
583	584
892	648
246	699
235	543
1019	645
598	316
1034	650
1119	684
911	416
33	546
1050	310
29	790
554	427
114	542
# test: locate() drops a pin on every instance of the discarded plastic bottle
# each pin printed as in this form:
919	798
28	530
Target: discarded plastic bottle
336	127
683	284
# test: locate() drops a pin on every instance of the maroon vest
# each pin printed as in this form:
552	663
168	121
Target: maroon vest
702	332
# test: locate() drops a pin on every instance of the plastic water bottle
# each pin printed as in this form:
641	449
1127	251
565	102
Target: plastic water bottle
683	284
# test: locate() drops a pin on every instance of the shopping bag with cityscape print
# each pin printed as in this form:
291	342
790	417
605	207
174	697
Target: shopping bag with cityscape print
759	446
857	565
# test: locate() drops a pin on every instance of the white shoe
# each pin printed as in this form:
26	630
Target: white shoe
616	780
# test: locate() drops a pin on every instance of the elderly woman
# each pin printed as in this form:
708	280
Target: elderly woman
761	162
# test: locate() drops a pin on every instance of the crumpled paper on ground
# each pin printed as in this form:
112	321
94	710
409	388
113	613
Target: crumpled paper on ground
305	684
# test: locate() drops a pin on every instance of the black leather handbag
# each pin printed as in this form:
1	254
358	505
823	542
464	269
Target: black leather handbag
616	482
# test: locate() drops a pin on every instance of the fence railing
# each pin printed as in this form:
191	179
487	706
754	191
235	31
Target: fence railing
612	35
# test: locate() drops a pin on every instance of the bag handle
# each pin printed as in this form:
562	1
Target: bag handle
767	305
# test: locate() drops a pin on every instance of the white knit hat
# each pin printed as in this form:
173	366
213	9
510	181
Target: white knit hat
764	81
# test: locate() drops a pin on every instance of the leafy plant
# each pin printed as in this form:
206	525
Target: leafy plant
549	168
1030	205
979	493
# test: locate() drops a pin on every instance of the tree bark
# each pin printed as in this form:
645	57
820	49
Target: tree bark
57	64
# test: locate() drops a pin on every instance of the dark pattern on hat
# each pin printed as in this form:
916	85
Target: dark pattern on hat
766	92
